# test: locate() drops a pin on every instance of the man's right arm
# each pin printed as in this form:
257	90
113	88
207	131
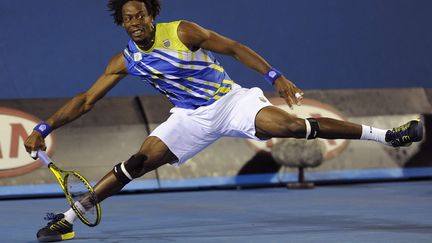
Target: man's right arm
83	102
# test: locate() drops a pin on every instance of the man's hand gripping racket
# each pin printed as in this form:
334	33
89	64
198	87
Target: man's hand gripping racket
79	193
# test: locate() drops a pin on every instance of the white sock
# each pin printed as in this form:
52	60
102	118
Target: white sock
70	216
374	134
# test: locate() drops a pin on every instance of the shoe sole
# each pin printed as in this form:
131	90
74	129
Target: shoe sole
52	238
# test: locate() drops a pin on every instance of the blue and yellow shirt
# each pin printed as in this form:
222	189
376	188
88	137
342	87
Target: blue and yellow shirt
189	79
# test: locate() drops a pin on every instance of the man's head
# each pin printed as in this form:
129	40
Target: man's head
136	16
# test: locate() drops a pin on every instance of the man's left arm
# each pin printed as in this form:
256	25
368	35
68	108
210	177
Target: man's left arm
195	36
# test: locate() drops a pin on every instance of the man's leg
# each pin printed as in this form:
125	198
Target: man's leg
274	122
152	154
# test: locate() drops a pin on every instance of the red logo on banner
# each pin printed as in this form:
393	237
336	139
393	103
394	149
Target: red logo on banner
15	126
309	108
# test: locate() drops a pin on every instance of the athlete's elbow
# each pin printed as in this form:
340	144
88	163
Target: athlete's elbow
85	102
238	49
87	107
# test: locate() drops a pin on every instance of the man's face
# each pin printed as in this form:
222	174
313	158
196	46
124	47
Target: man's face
137	21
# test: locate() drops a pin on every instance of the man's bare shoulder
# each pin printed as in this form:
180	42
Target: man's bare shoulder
191	34
117	64
186	27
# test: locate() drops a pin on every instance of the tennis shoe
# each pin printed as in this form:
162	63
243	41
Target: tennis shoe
57	229
406	134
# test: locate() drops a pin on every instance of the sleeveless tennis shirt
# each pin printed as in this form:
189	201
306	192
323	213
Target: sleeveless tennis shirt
189	79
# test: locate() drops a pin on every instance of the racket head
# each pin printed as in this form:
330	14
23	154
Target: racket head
82	198
58	173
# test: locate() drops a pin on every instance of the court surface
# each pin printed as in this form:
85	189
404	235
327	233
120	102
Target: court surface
377	212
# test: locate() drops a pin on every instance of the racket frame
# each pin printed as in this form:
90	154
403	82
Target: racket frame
58	175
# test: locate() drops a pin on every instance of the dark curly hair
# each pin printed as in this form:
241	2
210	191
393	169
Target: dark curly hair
115	7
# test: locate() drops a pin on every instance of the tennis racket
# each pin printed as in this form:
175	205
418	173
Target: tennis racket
79	193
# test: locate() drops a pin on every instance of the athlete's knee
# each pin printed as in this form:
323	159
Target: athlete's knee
302	128
312	128
294	128
134	167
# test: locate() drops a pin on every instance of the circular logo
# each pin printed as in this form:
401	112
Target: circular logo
309	108
15	126
272	74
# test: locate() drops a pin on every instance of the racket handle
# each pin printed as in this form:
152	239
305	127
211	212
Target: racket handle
44	157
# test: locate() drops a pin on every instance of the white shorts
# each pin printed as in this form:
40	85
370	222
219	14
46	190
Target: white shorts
187	132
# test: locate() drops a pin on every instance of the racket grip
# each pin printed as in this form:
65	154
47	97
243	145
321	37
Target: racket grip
44	157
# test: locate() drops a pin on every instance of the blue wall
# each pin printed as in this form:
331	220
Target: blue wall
57	48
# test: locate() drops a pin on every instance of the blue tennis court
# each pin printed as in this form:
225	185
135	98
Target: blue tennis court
376	212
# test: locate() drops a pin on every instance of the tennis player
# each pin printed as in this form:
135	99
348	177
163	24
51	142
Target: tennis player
176	59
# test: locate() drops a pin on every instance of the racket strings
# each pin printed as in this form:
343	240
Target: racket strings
83	198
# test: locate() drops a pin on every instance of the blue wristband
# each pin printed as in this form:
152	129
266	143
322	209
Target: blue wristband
43	128
272	75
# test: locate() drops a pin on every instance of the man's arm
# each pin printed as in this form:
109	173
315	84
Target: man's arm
195	36
83	102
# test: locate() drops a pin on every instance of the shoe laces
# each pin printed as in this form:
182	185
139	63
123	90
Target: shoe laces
401	131
403	128
53	218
